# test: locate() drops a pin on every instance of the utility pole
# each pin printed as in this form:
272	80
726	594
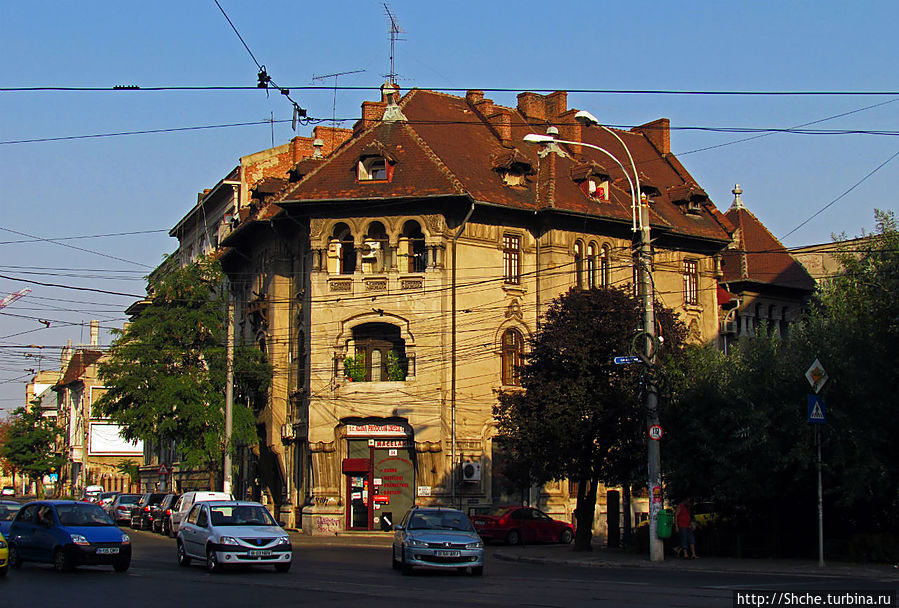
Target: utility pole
229	392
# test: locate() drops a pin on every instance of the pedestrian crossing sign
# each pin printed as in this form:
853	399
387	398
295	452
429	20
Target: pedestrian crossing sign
817	412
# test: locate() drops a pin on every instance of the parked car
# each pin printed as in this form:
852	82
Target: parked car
187	501
4	556
437	538
8	491
106	498
161	514
92	493
140	513
516	525
8	510
223	533
120	507
67	533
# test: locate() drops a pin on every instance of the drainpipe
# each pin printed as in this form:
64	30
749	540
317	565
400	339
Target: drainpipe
453	353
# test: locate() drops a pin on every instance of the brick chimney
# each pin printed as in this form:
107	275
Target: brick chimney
532	105
658	132
556	104
502	123
372	111
570	129
95	333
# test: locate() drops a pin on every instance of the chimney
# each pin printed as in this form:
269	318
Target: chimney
95	333
502	122
65	356
372	111
474	97
570	129
556	104
532	105
659	133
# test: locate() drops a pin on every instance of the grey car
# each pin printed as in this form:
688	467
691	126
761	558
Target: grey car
437	537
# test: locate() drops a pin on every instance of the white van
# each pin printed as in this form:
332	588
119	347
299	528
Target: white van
186	501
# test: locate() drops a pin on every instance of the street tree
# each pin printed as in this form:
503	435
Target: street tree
166	371
30	444
578	415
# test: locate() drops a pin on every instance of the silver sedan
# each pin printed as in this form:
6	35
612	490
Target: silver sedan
436	537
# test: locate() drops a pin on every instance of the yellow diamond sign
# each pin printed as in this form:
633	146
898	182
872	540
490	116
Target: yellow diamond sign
816	375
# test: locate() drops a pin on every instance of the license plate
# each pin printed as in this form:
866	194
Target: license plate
107	550
259	552
449	554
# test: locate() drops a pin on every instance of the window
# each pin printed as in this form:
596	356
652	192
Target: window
512	350
374	248
373	169
380	354
592	278
512	258
579	264
343	249
691	282
413	247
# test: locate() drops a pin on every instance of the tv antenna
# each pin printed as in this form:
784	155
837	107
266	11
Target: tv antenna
395	31
335	76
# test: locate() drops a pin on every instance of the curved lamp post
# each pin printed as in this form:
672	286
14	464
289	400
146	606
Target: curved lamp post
641	225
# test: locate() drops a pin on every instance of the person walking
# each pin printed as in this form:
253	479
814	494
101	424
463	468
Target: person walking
683	523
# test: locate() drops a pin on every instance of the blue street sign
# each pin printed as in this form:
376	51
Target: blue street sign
817	412
626	360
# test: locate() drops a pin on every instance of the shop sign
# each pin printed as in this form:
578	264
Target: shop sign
376	430
424	490
381	498
389	443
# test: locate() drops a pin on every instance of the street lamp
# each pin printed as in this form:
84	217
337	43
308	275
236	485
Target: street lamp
641	225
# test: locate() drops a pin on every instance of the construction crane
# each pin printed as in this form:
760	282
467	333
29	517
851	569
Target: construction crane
13	297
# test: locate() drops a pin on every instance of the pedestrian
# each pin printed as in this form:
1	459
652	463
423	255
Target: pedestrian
683	523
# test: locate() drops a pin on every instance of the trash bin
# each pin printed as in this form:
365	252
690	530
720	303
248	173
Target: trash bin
665	523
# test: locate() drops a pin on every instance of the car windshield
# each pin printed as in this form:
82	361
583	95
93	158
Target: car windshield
129	500
82	514
242	515
7	512
440	520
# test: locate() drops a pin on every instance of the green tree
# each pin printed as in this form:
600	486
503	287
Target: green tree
579	416
166	371
30	442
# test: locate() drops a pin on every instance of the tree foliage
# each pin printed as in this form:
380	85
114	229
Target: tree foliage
737	430
30	443
580	416
166	371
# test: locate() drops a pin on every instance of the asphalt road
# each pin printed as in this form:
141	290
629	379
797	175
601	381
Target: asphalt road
339	573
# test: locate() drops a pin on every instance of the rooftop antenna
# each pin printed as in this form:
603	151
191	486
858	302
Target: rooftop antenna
335	76
395	31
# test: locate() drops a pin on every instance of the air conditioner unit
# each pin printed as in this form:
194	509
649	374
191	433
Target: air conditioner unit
471	471
370	250
728	327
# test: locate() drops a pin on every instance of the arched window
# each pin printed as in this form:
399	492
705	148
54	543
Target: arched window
373	169
415	250
512	351
344	249
374	248
604	267
579	264
379	354
592	278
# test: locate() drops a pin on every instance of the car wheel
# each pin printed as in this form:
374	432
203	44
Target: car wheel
3	571
282	567
212	563
14	560
122	565
394	561
477	570
166	528
183	559
513	537
566	537
404	567
61	561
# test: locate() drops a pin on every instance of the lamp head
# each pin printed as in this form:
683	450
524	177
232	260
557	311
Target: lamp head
586	118
534	138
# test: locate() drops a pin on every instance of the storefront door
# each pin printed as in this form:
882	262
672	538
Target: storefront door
358	491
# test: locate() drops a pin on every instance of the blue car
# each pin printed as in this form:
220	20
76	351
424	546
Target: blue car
67	534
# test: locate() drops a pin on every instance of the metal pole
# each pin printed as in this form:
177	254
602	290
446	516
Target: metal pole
453	466
820	504
229	393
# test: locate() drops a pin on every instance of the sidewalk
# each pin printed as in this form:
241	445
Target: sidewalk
602	557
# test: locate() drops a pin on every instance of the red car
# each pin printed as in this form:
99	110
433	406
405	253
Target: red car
521	524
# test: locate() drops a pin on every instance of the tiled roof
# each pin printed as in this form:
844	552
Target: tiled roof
759	257
447	148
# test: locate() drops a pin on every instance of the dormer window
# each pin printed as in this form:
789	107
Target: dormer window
374	169
596	188
513	168
514	175
593	181
690	199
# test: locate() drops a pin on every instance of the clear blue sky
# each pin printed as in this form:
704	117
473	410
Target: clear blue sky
136	183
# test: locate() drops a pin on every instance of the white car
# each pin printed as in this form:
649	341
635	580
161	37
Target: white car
233	532
187	501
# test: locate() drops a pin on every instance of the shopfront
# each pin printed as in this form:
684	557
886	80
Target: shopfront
379	475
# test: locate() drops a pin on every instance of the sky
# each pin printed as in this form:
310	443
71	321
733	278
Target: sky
92	212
